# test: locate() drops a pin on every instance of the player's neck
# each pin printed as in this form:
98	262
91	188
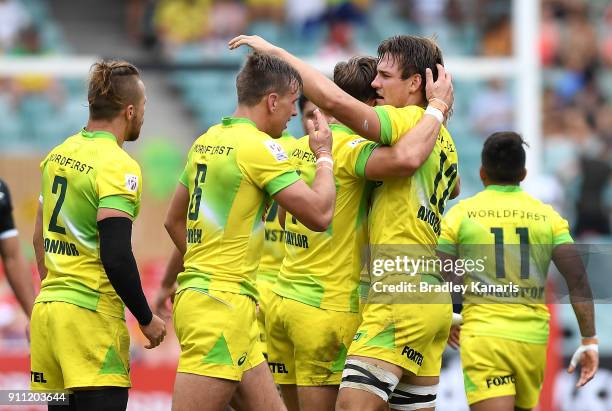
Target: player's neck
109	126
254	114
415	99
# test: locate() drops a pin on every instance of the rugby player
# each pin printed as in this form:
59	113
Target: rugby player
314	311
215	220
399	339
90	194
504	335
15	266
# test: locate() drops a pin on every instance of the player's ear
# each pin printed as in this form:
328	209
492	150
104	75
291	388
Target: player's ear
415	82
523	174
483	174
129	112
272	102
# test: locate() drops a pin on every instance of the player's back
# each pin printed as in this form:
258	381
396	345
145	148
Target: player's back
86	172
231	172
323	269
509	235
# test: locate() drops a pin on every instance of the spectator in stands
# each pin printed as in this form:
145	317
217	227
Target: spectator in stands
340	42
13	18
180	22
492	109
228	18
273	10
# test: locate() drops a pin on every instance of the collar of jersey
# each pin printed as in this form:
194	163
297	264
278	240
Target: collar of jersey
340	127
230	121
504	189
98	134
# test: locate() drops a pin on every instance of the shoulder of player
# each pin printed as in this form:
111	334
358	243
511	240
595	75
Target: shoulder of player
119	159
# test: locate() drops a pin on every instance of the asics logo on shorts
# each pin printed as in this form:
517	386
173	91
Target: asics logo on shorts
413	355
497	381
242	359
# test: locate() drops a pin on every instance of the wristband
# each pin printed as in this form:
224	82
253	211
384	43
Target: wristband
457	319
321	152
327	167
580	350
446	106
324	159
436	113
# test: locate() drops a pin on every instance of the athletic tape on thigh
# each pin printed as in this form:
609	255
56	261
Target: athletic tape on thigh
367	377
408	397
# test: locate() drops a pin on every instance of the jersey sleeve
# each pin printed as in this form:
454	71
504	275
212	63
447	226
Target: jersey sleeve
560	229
7	225
354	154
395	122
266	164
119	186
449	235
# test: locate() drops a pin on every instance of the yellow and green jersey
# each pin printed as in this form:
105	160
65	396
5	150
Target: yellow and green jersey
323	269
509	236
274	237
88	171
231	173
408	210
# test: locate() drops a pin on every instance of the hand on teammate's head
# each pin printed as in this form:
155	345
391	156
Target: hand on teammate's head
255	42
320	136
442	88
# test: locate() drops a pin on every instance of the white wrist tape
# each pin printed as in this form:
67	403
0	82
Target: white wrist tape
324	160
436	113
457	319
580	350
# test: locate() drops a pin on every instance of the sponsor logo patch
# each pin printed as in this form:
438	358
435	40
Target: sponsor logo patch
131	182
276	150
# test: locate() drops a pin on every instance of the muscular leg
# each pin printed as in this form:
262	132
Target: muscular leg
318	398
290	396
196	392
353	399
505	403
414	380
257	392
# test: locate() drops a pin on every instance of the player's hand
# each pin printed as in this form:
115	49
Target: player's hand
155	332
319	135
589	363
162	301
255	42
453	337
441	89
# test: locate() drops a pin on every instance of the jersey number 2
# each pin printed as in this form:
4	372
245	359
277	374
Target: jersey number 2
196	197
62	184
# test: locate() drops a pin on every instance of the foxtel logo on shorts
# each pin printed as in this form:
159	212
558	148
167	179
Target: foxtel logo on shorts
37	377
413	355
497	381
278	368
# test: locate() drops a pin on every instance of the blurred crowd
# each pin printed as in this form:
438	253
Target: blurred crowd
576	54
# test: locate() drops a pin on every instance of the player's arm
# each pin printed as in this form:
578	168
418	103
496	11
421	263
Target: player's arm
176	218
282	216
38	243
330	98
569	263
115	232
314	206
15	266
168	285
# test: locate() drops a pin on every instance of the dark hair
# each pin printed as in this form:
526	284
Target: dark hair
302	102
355	77
413	54
503	157
263	74
112	86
